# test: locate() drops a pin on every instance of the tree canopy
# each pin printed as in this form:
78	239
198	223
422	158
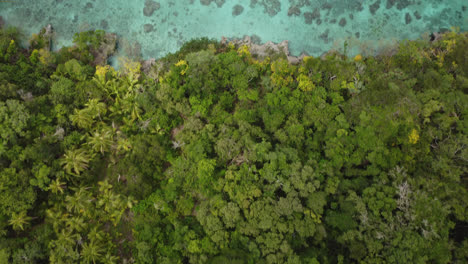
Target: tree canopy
213	155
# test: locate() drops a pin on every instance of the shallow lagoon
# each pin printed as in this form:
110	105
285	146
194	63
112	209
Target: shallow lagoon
156	28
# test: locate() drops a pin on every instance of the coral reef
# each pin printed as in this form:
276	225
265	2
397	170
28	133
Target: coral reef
295	7
104	24
237	10
150	7
219	3
311	16
400	4
294	10
342	22
148	28
300	21
270	7
374	7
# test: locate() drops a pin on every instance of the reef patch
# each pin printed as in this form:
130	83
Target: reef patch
150	7
237	10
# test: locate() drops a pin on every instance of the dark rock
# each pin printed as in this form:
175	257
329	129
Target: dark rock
237	10
256	39
342	22
89	5
351	16
436	36
464	8
148	28
374	7
333	21
357	34
319	21
150	7
205	2
49	31
408	18
146	65
105	50
417	15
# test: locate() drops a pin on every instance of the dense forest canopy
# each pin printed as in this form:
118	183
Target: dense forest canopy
215	156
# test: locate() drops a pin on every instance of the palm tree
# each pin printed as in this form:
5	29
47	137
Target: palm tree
56	218
56	186
96	108
76	160
76	223
95	234
66	238
79	202
82	118
101	141
109	259
91	252
63	250
18	221
130	105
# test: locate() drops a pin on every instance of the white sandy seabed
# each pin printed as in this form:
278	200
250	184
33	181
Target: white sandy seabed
155	28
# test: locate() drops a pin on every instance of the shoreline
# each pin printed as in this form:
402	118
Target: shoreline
116	46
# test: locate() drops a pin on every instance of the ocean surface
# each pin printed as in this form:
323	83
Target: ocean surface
155	28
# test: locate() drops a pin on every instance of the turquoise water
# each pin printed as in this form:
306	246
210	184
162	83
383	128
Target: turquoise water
154	28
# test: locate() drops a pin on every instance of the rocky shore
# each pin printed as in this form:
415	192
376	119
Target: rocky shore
264	50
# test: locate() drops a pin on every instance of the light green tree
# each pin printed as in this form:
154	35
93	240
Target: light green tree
20	220
101	141
75	161
82	118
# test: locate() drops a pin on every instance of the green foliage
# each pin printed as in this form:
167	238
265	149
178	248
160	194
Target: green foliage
233	160
194	45
88	39
13	120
